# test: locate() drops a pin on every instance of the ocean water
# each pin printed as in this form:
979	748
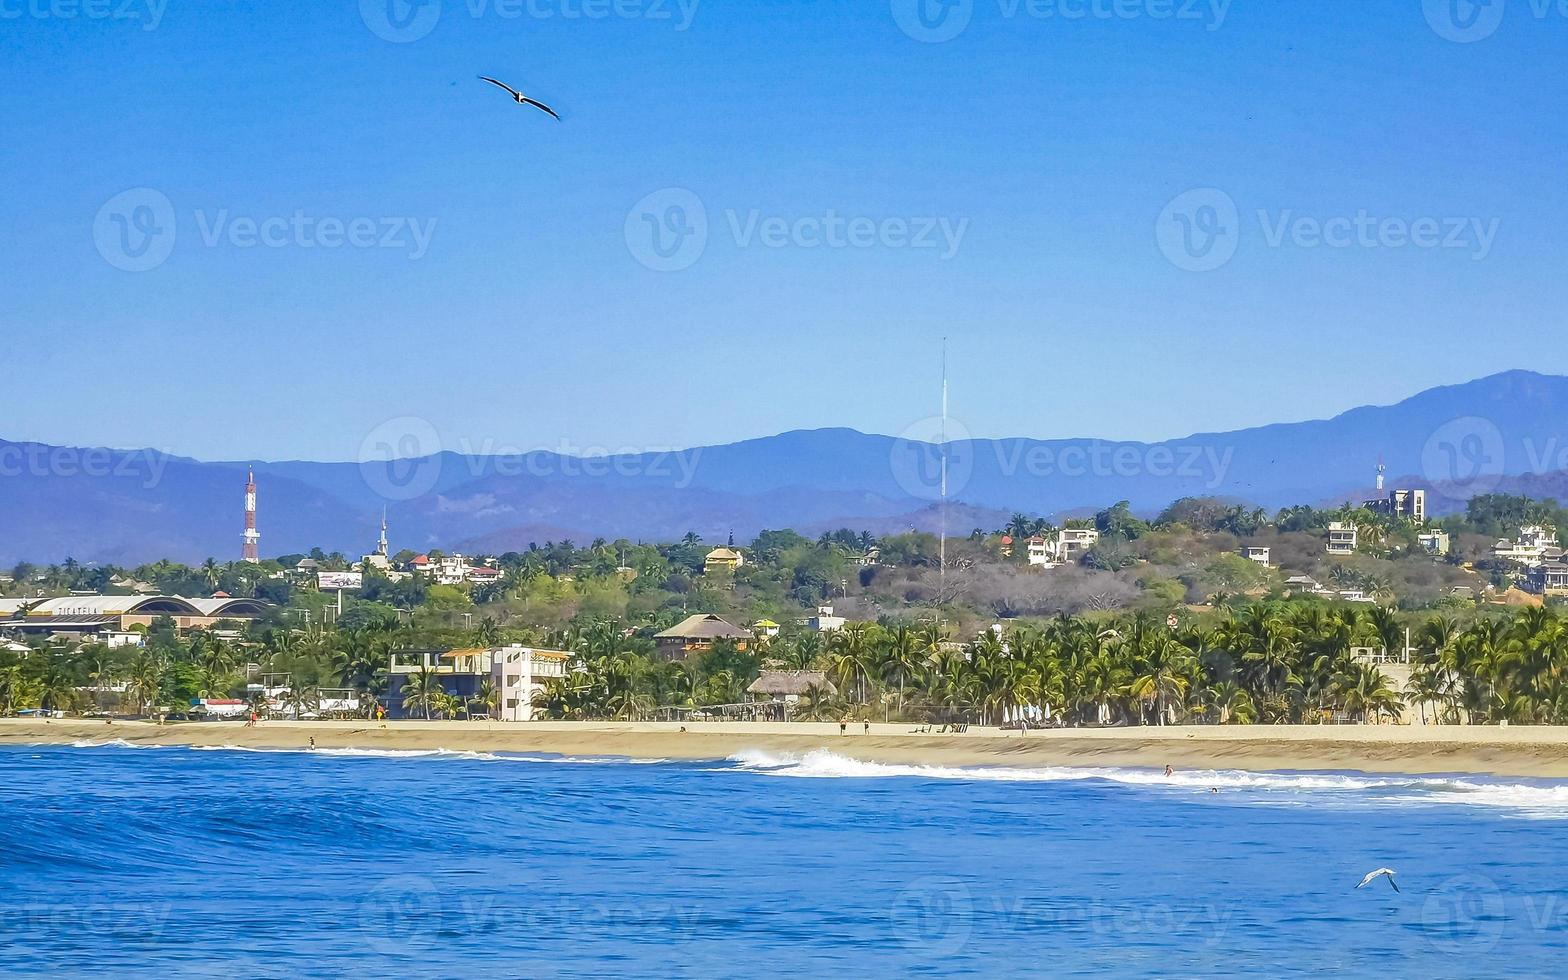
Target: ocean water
129	861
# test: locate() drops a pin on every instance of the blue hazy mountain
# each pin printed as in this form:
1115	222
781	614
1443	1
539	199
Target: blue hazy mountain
1503	432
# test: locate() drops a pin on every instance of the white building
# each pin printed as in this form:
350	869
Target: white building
1342	538
1257	554
824	621
1435	542
519	673
1534	545
1071	542
1042	553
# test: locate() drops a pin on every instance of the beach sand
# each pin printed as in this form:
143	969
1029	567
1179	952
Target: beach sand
1518	751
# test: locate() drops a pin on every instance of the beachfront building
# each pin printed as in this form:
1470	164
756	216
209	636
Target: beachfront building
1342	538
695	634
520	672
1255	553
1072	542
787	687
510	675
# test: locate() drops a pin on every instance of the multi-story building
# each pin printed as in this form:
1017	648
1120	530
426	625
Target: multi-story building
1072	542
1256	553
1549	577
515	673
1342	538
1409	504
1042	553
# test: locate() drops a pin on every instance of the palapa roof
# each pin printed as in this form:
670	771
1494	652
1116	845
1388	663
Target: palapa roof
703	627
791	682
723	554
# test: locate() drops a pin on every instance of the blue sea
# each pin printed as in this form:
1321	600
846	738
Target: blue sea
131	861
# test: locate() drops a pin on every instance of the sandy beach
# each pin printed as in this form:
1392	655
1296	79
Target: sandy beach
1519	751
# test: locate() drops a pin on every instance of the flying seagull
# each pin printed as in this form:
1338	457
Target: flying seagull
1380	873
519	97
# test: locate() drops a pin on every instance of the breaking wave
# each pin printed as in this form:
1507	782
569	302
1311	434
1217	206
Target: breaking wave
1546	798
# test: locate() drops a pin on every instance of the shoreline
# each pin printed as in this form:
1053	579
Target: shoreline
1518	751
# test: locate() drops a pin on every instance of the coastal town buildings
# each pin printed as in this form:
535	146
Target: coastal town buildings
1256	553
1534	545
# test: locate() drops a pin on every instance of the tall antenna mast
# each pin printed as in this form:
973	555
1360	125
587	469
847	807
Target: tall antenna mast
252	536
942	507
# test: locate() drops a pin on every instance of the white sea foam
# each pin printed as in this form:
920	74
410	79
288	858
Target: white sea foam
110	743
1545	799
436	753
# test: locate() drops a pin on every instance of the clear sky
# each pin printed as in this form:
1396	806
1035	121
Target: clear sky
1019	187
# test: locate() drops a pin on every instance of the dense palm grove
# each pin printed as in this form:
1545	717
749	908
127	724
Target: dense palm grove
986	639
1270	663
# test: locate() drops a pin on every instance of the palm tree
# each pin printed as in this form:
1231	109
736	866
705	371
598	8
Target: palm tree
488	697
421	688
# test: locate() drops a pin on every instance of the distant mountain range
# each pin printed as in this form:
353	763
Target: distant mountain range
1501	433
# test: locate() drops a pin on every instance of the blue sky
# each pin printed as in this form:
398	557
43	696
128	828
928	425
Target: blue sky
1048	145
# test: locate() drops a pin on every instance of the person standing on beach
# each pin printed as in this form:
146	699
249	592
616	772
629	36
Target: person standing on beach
843	726
868	728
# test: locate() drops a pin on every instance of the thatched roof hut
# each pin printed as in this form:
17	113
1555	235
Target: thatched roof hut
791	683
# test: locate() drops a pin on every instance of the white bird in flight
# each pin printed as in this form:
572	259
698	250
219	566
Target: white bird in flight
519	97
1379	873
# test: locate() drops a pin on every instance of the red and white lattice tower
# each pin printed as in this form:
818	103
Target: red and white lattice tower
251	534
